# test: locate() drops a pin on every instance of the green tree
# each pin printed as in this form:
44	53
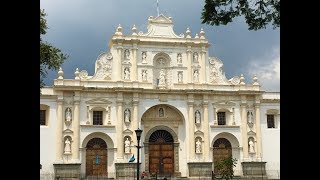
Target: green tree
225	167
50	57
257	13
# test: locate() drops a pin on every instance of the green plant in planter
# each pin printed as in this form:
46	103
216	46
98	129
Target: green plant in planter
225	168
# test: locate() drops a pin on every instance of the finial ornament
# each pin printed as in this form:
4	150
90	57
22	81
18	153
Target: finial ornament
202	34
188	32
255	80
242	79
119	30
60	73
76	73
134	30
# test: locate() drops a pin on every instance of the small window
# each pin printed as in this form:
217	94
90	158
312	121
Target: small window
270	121
221	118
97	117
43	117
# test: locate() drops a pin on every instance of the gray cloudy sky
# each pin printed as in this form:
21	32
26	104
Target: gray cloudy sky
82	29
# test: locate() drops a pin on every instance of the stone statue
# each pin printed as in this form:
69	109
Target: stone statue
195	57
127	54
161	113
196	76
198	117
144	75
127	146
126	73
127	115
68	114
250	117
251	146
144	57
162	79
180	77
67	146
179	59
198	146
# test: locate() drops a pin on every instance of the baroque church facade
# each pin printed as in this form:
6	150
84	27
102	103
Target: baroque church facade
190	114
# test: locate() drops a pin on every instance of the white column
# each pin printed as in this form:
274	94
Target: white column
203	66
189	66
134	63
206	127
244	130
119	126
118	69
59	138
258	129
191	128
76	131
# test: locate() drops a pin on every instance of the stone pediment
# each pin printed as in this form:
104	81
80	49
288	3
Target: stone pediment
161	26
225	103
98	101
127	132
198	133
68	131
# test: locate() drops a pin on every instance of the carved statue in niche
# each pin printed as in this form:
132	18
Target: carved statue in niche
127	145
162	78
127	54
179	58
126	73
195	57
144	75
127	116
144	57
68	114
251	146
198	146
161	112
250	117
67	146
180	77
197	117
196	76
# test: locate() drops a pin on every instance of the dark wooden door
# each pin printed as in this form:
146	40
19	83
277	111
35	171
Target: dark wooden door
161	153
221	150
96	158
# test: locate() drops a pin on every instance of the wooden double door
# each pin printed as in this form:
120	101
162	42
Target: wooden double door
221	149
96	158
161	153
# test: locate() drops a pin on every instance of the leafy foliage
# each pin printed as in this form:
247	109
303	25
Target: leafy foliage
50	57
257	13
225	167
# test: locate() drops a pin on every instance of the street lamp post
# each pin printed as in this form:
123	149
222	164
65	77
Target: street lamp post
138	134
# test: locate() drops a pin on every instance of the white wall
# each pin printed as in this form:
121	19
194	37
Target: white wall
48	138
270	142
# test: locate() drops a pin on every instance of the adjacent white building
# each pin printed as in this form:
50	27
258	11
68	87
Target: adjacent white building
165	84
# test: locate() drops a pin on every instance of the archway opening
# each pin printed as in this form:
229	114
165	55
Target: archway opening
221	149
96	157
161	153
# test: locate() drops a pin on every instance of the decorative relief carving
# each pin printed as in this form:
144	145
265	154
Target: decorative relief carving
217	76
83	74
103	67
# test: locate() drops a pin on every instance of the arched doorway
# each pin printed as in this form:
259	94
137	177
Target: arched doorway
221	149
96	157
161	153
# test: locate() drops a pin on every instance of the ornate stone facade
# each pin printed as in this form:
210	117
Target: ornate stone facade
168	86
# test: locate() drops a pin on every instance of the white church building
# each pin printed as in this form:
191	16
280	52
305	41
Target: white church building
190	114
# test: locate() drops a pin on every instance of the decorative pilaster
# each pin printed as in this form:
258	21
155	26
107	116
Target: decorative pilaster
135	120
244	130
189	70
233	118
118	72
59	139
119	126
76	129
258	130
205	126
134	63
191	127
203	66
